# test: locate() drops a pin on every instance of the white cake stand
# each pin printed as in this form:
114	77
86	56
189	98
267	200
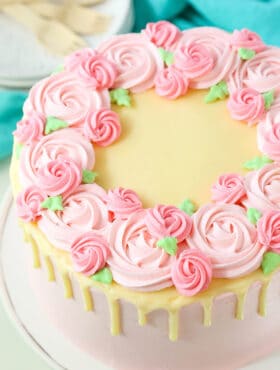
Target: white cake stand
23	309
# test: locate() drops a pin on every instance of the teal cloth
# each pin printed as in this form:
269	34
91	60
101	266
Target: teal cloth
10	112
261	16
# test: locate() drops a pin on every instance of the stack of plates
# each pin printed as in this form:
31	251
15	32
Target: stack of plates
23	61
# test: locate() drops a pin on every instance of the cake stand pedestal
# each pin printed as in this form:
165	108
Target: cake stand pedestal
24	311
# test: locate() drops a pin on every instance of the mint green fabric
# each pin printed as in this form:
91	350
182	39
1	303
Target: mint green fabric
10	112
261	16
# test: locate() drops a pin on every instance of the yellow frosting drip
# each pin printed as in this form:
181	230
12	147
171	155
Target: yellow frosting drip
88	301
50	269
172	150
167	299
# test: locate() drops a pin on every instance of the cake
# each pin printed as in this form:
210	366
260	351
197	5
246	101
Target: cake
146	179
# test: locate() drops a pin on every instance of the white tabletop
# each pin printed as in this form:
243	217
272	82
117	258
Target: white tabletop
15	354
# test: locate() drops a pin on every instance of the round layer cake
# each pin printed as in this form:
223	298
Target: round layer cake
146	176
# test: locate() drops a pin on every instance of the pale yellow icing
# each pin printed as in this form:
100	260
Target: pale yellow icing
166	160
144	303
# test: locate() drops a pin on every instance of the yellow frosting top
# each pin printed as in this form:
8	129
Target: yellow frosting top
172	150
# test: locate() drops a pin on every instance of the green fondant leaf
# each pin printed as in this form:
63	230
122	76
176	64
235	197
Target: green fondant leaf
246	54
88	177
18	149
268	98
169	244
54	124
187	206
253	215
270	262
217	92
53	203
120	97
166	56
58	69
103	276
257	163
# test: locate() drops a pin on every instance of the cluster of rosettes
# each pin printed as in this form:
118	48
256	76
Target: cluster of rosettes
109	234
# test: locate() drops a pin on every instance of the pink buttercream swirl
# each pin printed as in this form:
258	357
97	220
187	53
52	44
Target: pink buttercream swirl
123	202
30	128
208	45
102	127
224	233
228	189
66	97
67	144
93	68
263	188
136	261
261	73
171	83
89	253
191	272
137	60
163	34
28	203
268	228
194	59
84	210
246	105
268	136
163	221
59	177
247	39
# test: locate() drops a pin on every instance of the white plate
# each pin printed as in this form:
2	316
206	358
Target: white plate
23	310
22	58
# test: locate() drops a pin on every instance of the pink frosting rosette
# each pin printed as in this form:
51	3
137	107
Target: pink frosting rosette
67	143
210	47
224	233
89	253
102	127
261	73
66	97
136	262
93	68
191	272
228	189
268	228
84	210
138	61
28	203
194	59
171	83
247	39
268	136
59	177
123	202
30	128
263	188
246	104
163	221
163	34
